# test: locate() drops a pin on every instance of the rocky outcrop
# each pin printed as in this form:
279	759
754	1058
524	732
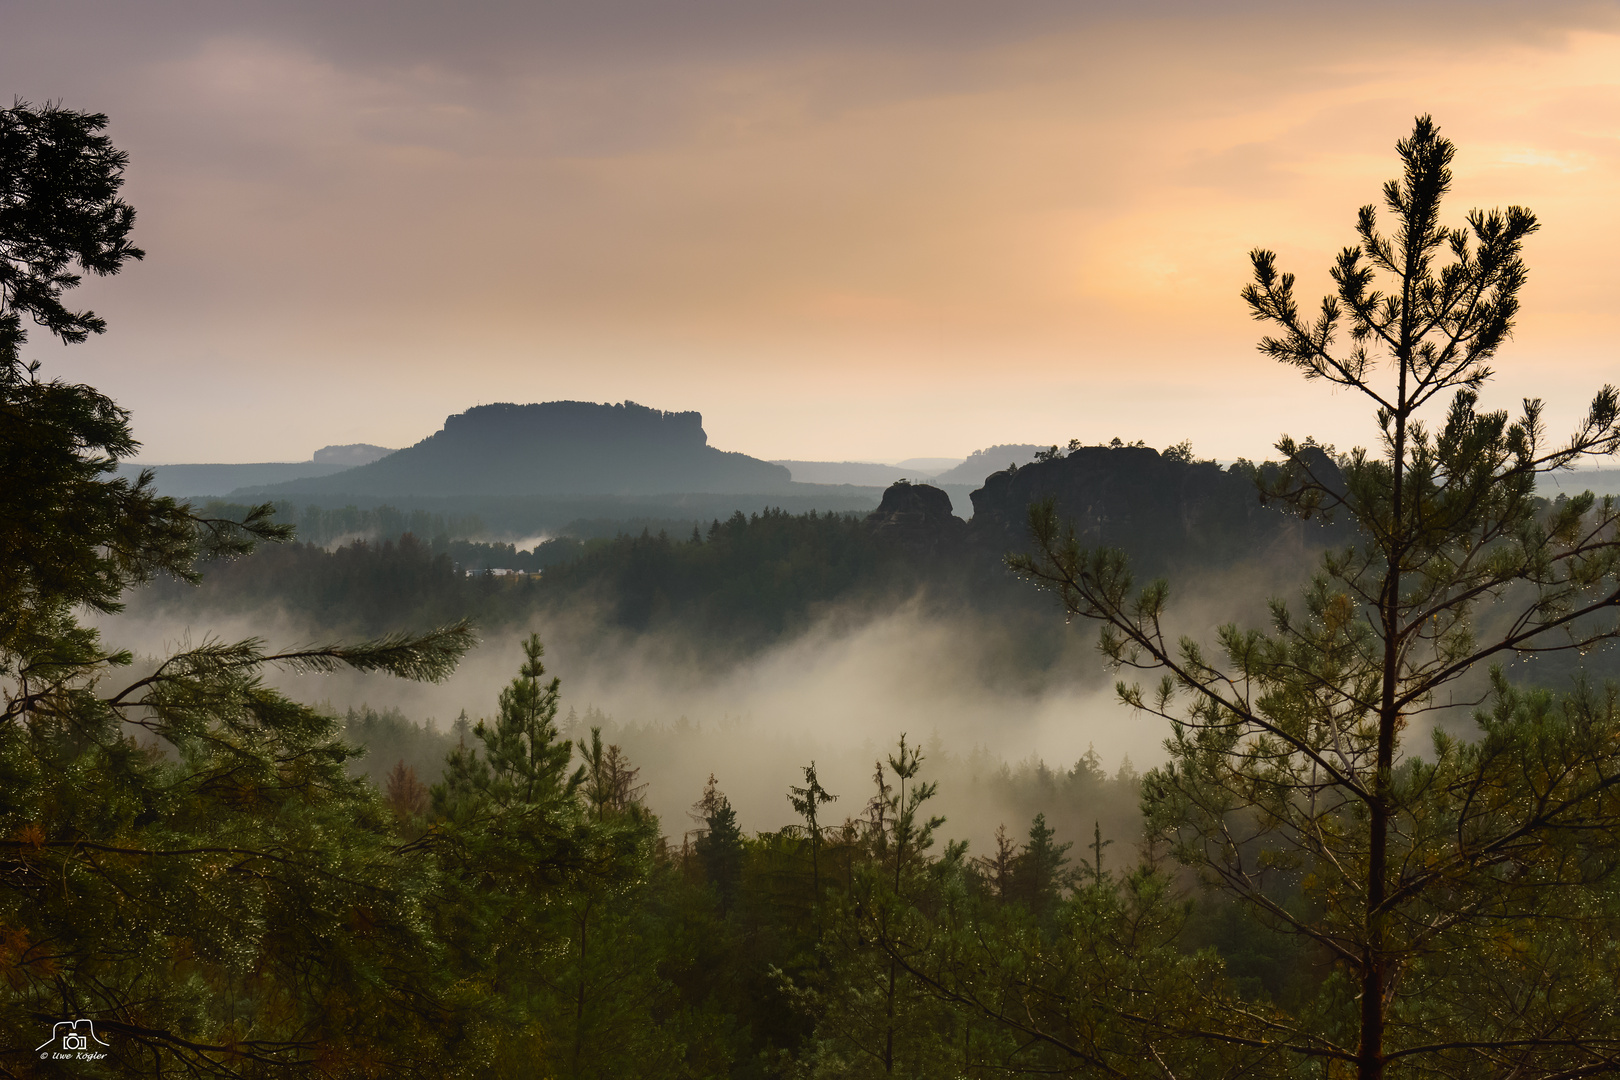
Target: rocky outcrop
919	517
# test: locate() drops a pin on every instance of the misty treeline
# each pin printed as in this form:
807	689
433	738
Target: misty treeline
328	526
983	788
724	591
721	593
445	533
1323	881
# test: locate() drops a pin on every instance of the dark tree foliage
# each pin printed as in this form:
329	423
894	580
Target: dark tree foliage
70	535
807	803
750	582
751	576
1291	769
59	207
1038	875
719	844
192	836
359	588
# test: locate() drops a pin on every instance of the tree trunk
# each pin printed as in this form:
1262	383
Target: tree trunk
1374	972
888	1032
579	1000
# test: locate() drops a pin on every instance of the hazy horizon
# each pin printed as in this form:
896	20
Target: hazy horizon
843	233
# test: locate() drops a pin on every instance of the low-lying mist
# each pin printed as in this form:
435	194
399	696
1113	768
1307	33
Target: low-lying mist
840	693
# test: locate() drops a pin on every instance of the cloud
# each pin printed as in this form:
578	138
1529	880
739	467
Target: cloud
778	212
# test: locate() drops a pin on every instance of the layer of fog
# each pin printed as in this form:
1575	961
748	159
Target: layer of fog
841	695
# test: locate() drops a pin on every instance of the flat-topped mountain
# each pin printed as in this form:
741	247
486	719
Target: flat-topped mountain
555	448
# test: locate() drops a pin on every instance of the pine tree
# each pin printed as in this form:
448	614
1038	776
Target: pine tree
873	1017
188	862
997	870
1289	757
610	779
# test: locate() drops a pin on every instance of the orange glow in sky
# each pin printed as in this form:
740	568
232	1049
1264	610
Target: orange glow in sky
843	232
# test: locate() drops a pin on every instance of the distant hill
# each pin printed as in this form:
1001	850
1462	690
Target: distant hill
553	448
862	473
351	454
190	481
929	466
981	463
1575	481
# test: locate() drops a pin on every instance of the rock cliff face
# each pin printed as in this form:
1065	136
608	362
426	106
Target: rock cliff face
1159	510
557	448
919	517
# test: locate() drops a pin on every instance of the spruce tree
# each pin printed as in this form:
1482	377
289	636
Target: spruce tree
807	802
719	846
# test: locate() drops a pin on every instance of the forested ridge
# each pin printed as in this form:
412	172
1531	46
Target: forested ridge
747	579
734	587
1320	882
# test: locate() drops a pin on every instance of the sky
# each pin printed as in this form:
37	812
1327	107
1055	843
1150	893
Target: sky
841	230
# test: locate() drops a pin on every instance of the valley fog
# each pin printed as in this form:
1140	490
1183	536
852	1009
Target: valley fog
1017	713
841	695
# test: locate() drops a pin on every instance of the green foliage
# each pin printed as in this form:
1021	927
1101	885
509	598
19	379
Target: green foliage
186	859
751	577
360	588
1038	876
323	526
231	846
523	764
1290	786
872	1019
545	898
192	836
388	737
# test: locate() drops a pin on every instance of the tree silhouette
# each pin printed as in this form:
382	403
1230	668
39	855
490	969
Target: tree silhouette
1288	751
